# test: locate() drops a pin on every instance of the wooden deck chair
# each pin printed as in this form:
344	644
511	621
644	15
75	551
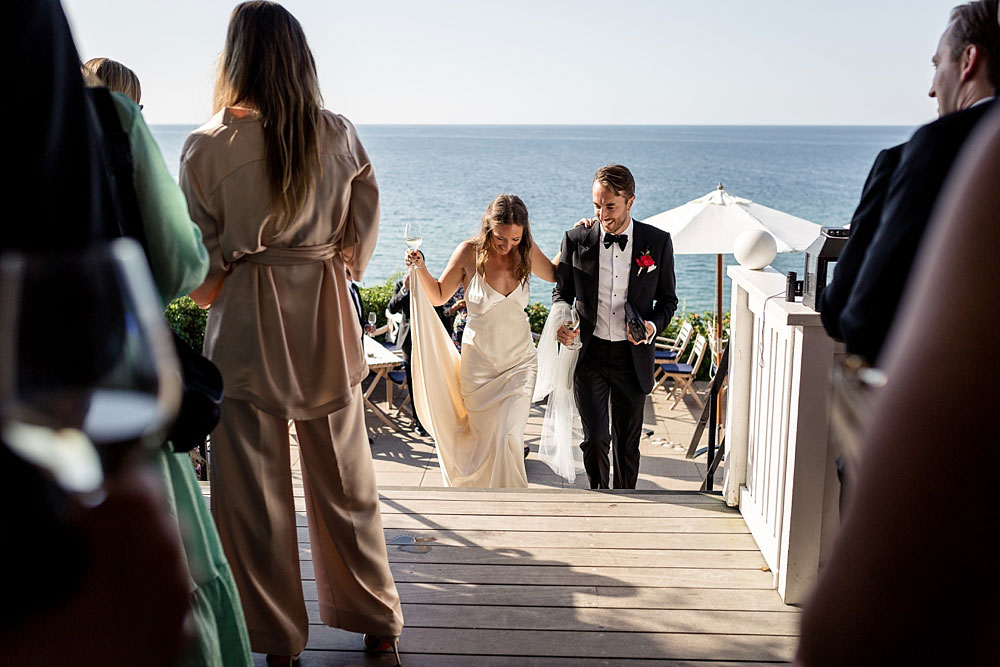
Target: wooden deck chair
715	355
668	351
398	378
392	320
683	375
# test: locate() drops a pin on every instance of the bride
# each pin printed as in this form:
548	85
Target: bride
476	406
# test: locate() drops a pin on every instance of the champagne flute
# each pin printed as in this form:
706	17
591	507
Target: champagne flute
412	235
572	324
86	361
372	318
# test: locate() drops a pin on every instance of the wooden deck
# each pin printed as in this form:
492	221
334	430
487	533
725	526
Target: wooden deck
560	575
568	577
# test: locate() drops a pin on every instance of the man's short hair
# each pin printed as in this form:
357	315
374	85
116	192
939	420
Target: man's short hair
976	23
618	178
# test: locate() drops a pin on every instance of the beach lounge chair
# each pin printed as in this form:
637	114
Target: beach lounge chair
683	375
669	350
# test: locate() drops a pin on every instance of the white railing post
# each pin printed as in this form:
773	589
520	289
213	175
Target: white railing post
738	396
778	466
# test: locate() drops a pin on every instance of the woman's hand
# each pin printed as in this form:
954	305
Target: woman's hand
414	259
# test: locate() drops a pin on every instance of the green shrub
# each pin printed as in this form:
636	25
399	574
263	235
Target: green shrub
537	313
376	299
188	320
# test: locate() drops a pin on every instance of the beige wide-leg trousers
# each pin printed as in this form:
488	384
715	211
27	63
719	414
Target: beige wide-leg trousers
254	509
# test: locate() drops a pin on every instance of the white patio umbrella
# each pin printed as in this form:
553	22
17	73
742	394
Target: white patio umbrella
711	224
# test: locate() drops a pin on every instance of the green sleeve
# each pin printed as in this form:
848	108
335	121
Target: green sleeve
176	254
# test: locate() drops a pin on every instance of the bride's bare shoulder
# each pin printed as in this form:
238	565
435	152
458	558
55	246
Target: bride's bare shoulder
466	251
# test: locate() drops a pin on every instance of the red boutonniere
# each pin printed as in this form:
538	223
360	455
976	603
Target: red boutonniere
645	261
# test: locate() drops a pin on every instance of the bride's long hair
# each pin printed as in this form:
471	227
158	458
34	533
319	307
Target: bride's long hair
505	210
268	66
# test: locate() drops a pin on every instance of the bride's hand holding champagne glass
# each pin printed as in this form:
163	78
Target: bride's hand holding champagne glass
412	235
413	238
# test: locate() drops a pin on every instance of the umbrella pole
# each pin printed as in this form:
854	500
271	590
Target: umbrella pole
718	308
718	335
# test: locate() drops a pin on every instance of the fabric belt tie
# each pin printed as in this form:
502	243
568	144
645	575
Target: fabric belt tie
296	255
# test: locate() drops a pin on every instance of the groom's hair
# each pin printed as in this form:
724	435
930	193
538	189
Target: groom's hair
618	178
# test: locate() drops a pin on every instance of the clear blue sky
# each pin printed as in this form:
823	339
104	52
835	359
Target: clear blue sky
549	61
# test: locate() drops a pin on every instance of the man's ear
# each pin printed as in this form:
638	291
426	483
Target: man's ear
970	62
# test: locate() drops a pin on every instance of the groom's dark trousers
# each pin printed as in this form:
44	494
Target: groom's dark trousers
604	372
619	372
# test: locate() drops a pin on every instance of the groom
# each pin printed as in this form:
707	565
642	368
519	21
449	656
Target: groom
602	268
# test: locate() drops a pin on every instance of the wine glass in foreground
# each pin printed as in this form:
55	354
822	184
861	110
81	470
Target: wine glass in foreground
86	361
412	235
572	324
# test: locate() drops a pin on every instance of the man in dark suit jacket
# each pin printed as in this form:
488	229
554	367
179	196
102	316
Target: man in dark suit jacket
863	225
602	268
967	72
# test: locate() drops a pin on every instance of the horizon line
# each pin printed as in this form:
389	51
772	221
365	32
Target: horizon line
420	124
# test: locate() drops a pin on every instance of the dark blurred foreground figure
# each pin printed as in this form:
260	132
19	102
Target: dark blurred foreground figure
911	580
967	71
82	586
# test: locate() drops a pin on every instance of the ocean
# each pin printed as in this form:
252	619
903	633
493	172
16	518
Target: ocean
444	177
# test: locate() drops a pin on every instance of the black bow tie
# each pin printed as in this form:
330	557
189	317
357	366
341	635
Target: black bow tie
620	239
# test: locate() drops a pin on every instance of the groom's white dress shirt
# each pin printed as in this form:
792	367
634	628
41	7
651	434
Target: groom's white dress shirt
612	288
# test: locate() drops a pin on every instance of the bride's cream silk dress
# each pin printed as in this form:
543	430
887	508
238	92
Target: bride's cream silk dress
475	406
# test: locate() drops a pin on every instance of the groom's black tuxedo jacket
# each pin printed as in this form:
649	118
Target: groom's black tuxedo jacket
651	293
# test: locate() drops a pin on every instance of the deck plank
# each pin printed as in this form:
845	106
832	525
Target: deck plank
345	658
563	574
611	597
778	623
568	524
581	556
584	643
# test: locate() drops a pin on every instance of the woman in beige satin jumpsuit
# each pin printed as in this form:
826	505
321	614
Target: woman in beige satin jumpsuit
286	200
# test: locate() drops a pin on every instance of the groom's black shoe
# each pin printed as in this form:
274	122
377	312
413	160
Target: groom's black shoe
419	430
527	450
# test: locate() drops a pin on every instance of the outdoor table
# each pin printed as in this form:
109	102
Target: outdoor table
381	361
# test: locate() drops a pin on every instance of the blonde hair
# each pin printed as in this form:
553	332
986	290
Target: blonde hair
267	65
505	210
113	75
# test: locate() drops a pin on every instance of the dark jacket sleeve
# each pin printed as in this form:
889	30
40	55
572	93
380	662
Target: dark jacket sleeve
399	302
565	289
913	190
666	288
863	225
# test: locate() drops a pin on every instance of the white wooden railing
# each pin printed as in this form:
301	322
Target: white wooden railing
780	468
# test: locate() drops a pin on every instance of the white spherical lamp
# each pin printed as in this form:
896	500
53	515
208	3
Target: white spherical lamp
755	249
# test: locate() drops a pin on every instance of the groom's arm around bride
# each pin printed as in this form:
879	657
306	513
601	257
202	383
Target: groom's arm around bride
603	267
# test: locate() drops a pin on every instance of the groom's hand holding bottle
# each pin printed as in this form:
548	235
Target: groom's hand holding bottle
650	329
